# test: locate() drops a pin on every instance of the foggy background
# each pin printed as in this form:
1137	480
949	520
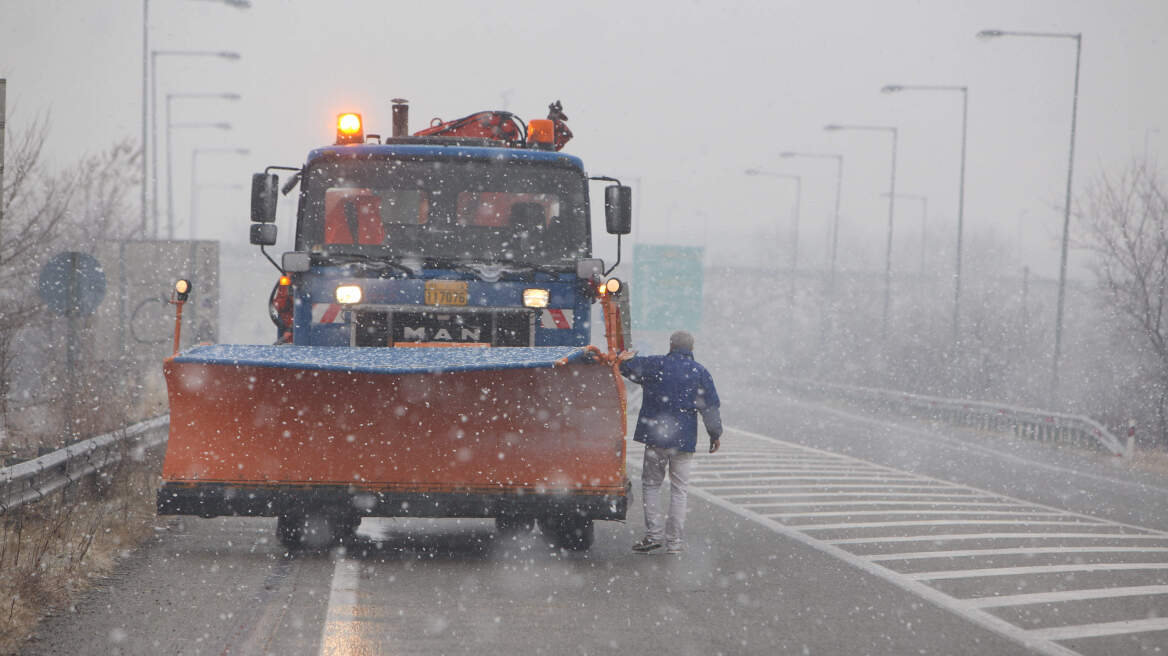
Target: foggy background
678	99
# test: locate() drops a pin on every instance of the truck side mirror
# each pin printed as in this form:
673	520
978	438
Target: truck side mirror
264	187
263	234
618	209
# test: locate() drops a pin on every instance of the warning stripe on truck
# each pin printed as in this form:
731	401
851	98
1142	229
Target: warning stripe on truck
556	319
326	312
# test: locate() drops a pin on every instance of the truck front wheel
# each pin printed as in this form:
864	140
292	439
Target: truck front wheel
572	532
290	530
509	526
315	530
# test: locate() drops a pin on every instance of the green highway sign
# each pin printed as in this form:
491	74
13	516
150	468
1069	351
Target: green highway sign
667	287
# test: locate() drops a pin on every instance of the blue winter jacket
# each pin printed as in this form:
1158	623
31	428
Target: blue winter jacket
676	389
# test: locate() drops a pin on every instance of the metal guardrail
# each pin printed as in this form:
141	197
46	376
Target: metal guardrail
1042	425
36	479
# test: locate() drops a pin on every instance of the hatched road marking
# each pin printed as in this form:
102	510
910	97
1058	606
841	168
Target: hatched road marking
1060	558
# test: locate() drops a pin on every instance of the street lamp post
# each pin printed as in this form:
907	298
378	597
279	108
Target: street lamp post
893	88
154	54
145	99
170	151
1062	287
194	181
891	213
147	88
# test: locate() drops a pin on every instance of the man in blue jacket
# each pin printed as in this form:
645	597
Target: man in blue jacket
676	390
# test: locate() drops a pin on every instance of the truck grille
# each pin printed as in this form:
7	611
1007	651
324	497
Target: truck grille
497	328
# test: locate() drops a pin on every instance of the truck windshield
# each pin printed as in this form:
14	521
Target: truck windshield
474	210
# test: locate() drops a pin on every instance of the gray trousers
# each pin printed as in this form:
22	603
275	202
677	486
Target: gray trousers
657	462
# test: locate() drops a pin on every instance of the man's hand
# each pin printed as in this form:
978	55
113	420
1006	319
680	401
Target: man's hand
715	445
626	355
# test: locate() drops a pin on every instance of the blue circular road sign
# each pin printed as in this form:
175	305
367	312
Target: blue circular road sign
72	283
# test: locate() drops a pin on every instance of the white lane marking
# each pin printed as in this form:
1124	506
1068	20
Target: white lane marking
1102	629
788	459
1031	569
875	489
1022	511
941	522
1067	595
1012	551
912	513
885	477
975	615
813	479
922	497
951	537
339	636
921	477
924	505
937	438
846	472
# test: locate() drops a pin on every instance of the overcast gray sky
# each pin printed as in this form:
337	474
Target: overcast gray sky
682	95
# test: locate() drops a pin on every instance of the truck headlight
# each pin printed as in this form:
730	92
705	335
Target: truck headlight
535	298
348	294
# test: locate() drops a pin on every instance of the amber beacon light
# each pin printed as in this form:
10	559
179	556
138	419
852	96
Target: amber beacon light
541	133
350	130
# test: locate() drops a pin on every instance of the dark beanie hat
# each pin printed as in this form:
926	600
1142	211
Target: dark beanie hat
681	340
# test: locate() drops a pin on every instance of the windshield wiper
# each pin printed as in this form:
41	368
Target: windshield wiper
489	271
356	257
542	268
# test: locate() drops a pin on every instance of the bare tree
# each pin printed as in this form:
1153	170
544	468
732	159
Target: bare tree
45	212
1124	221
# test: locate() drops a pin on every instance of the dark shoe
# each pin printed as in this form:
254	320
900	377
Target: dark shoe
645	545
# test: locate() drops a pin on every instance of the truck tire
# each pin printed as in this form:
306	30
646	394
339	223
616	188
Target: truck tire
346	528
316	530
572	533
508	525
290	530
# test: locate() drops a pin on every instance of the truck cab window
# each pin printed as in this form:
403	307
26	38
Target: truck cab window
478	211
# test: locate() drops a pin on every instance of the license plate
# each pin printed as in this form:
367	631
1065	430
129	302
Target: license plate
445	292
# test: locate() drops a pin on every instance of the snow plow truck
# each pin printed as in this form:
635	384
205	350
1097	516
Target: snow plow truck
433	353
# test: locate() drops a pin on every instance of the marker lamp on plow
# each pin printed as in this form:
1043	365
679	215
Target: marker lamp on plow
535	298
348	294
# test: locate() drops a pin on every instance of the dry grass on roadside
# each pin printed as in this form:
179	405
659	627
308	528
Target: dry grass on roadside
53	550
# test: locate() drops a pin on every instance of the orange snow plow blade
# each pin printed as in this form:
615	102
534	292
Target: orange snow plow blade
420	431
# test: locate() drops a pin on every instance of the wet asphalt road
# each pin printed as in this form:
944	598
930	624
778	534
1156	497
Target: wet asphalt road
441	587
225	586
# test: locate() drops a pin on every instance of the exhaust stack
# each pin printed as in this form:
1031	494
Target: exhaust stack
401	117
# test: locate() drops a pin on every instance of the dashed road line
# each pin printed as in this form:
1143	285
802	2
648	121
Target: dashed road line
340	634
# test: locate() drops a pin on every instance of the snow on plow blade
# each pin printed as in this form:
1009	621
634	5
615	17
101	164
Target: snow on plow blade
390	423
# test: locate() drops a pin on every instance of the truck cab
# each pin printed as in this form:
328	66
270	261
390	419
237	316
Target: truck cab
437	241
